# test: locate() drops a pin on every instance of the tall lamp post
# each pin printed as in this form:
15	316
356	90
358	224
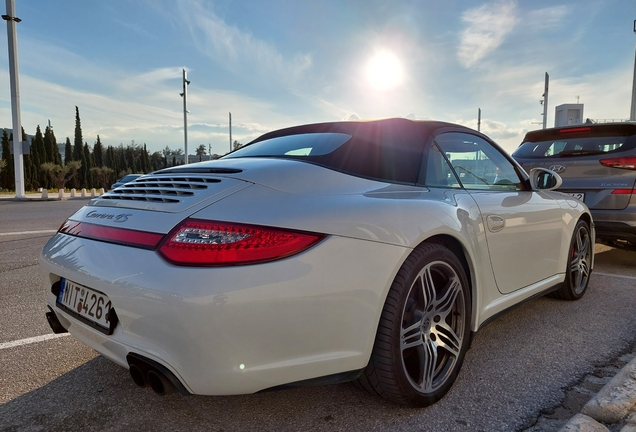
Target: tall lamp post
544	101
18	162
632	114
185	113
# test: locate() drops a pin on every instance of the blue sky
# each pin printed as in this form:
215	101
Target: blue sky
279	63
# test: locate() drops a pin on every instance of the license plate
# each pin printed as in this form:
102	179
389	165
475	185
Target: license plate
92	307
579	196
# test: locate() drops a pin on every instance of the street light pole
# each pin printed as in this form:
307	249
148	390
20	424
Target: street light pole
545	100
18	162
185	113
632	115
478	119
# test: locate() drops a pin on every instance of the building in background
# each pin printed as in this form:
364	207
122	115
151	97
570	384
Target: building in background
568	114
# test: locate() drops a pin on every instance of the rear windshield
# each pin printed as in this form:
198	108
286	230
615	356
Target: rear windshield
309	144
564	146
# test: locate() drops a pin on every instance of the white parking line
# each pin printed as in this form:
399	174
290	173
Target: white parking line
31	340
614	275
28	232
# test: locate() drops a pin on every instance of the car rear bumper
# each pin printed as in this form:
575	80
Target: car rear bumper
615	224
615	231
233	330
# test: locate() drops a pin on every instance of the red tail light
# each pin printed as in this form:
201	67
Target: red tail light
141	239
628	163
574	130
204	243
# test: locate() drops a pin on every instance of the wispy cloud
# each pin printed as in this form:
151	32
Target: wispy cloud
546	18
136	28
238	50
487	28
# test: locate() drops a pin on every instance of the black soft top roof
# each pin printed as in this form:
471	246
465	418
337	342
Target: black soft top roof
388	150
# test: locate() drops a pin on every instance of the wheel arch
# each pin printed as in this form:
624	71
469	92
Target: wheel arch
455	246
587	217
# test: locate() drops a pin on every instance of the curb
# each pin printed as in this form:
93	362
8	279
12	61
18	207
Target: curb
63	196
583	423
615	402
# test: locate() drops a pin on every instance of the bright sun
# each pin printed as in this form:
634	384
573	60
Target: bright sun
384	71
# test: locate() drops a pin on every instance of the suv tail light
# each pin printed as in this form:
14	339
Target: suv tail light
574	130
197	242
628	162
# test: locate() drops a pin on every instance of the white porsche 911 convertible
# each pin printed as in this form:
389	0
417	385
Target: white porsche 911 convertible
367	251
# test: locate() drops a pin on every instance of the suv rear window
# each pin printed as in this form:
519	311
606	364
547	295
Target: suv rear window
581	141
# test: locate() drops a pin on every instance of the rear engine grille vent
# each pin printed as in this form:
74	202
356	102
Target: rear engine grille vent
167	189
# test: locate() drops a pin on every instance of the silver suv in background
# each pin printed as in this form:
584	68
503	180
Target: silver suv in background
125	179
598	165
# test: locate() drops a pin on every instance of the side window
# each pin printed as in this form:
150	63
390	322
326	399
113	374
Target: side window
555	148
438	171
477	163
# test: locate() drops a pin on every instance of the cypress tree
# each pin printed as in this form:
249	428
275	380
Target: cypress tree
130	159
30	174
98	153
7	176
90	181
52	150
38	157
111	162
121	160
68	151
78	152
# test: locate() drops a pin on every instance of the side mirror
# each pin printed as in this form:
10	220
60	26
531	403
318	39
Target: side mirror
545	179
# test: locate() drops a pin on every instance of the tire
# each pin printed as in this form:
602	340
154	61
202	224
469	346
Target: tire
423	332
578	271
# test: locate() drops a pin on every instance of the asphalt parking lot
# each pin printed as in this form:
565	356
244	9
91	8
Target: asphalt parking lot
519	366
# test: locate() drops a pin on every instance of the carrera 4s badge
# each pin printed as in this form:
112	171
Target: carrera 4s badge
121	217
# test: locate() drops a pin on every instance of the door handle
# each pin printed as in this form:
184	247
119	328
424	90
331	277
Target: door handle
495	223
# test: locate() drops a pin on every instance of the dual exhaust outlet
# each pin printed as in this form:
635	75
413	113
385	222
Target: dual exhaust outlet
148	373
143	371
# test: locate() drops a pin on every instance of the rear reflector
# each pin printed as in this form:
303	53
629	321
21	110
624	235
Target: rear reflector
622	191
141	239
204	243
628	163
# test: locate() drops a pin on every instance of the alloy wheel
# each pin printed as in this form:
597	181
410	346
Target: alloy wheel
432	328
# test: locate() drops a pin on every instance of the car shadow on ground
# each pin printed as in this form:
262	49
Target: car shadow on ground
620	261
619	245
99	395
